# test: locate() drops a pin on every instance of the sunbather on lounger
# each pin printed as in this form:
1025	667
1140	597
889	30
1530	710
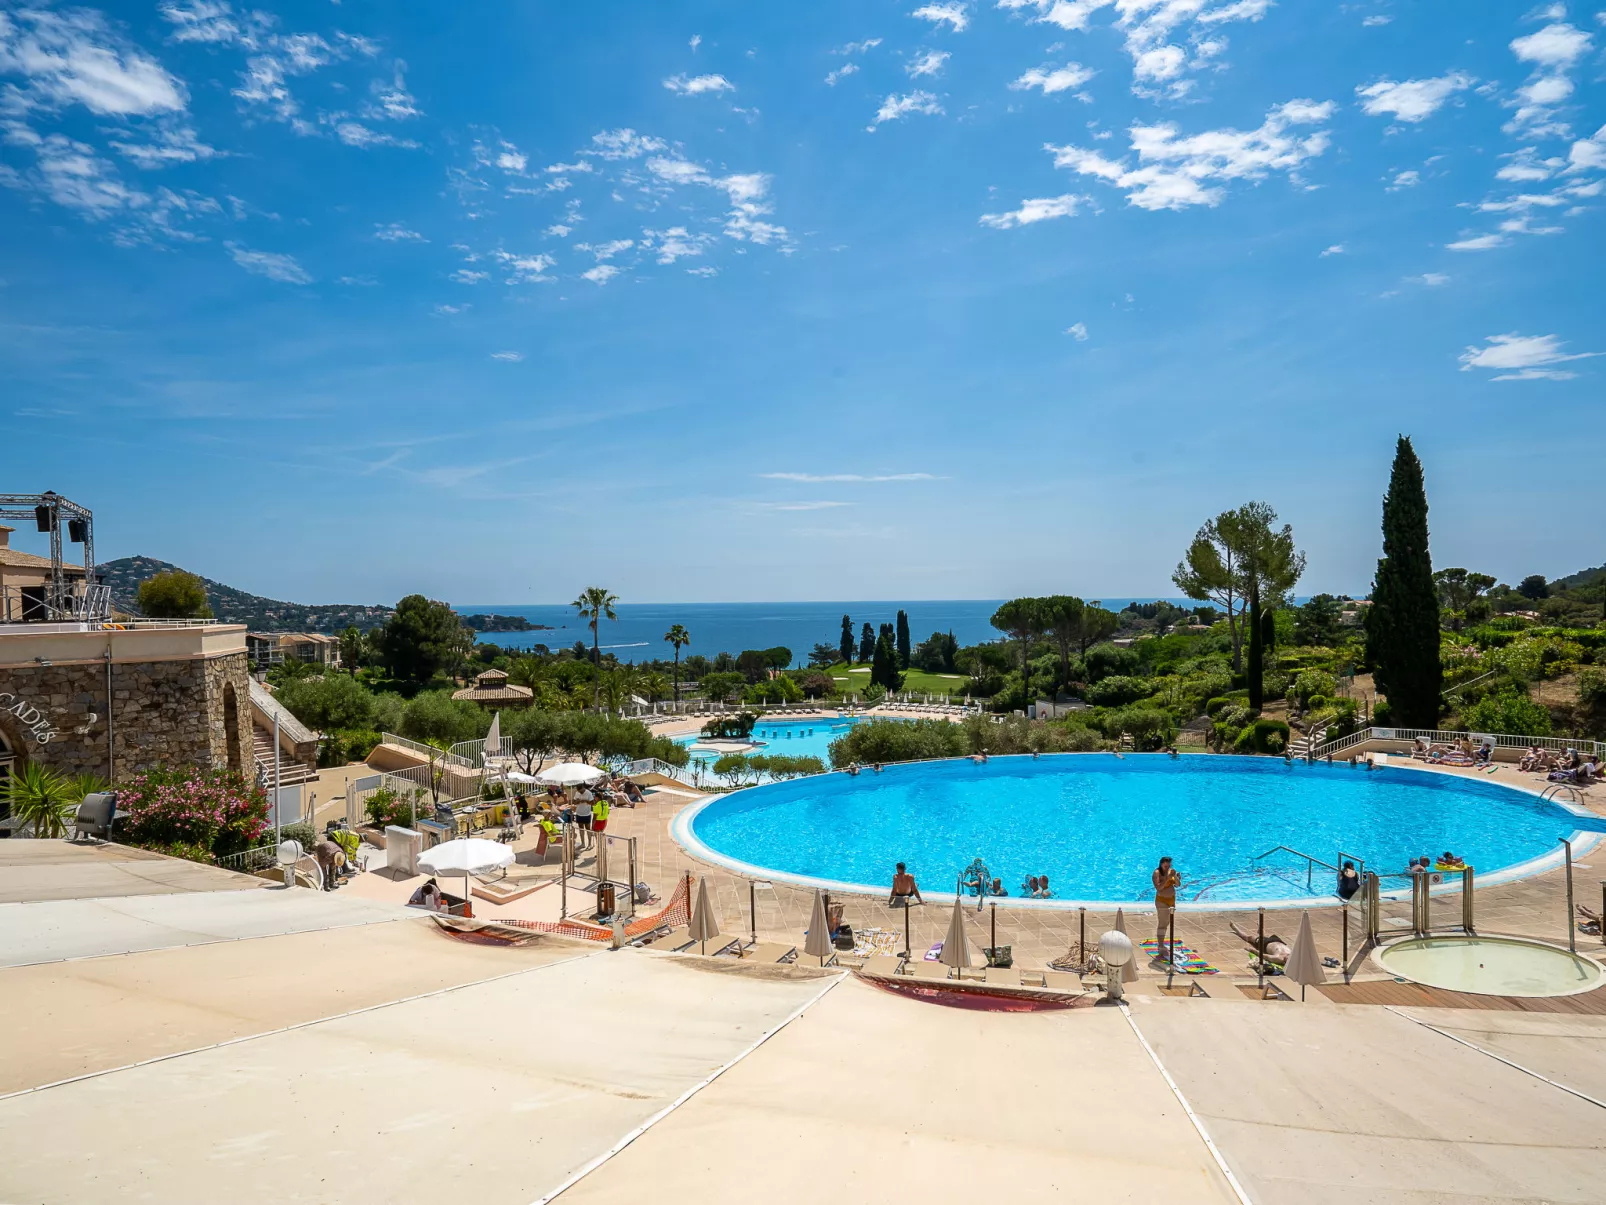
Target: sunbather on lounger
1275	950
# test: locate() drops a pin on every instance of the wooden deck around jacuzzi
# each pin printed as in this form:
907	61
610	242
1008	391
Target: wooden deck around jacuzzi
1415	995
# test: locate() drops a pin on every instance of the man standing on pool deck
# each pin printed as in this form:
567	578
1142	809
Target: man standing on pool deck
1166	881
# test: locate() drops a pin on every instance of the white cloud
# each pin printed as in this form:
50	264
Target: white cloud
392	101
563	169
1159	63
467	276
1077	331
699	84
1588	154
845	69
1411	100
896	107
395	232
677	171
675	243
1052	79
1431	279
524	268
512	161
824	478
1335	249
1480	242
704	271
950	13
354	133
623	144
1038	209
601	274
274	266
558	230
859	47
1557	45
695	42
508	357
1406	179
452	309
1525	164
167	144
1174	171
606	250
929	63
1066	14
747	192
1376	19
796	506
204	21
1522	357
73	57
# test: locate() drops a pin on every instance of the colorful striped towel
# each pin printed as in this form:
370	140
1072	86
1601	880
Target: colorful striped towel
1184	958
870	942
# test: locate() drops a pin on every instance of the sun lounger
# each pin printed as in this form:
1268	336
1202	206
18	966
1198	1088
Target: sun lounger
767	951
675	939
811	960
713	946
921	969
1062	981
883	964
1007	976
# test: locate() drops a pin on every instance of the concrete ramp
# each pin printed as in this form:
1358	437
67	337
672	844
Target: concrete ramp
51	930
494	1093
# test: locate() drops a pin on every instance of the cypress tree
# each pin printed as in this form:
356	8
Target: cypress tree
1255	667
866	643
1402	624
903	639
884	666
845	645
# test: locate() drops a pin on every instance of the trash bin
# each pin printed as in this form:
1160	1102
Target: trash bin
604	899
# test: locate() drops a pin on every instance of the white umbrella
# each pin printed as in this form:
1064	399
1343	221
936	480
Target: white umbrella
955	947
569	774
1129	972
493	738
818	942
704	924
520	776
1304	965
465	857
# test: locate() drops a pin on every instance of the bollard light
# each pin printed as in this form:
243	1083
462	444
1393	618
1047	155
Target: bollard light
289	854
1115	951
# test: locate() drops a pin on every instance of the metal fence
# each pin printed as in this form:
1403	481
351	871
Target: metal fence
248	861
1406	736
438	756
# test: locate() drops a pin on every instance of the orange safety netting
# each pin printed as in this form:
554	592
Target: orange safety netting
675	914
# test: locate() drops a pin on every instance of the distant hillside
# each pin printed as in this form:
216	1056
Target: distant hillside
1582	578
236	606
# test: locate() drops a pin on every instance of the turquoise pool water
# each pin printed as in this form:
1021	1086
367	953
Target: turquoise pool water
796	738
1097	824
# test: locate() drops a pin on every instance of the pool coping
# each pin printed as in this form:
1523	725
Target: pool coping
680	830
1384	947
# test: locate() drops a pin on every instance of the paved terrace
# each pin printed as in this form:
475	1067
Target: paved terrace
376	1058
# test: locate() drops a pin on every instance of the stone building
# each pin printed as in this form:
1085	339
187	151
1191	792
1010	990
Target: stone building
111	699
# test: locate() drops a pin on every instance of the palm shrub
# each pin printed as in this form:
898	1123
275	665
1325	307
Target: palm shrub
39	799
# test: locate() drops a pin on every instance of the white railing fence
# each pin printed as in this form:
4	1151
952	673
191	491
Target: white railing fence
438	756
651	765
1405	736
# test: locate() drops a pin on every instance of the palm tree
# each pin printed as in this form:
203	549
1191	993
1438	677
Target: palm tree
595	604
654	685
680	638
40	800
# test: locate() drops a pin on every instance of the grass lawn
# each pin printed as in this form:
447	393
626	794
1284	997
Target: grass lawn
856	677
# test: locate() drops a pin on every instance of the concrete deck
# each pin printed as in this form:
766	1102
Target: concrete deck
63	870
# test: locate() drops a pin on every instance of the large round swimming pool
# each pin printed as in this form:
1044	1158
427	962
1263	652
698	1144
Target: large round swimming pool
1097	824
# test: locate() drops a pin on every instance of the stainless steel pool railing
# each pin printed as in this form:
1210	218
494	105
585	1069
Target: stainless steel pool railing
1312	861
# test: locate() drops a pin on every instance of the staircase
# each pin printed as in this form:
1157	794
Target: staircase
1301	746
291	773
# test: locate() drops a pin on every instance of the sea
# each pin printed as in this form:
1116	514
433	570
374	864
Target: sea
638	633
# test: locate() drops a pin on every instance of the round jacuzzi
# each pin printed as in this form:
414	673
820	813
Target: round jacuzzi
1491	966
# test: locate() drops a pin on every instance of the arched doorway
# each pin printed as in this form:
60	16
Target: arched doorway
231	728
8	759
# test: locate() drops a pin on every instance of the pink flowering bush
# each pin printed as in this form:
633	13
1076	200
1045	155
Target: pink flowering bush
215	810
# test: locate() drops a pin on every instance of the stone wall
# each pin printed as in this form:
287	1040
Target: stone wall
163	713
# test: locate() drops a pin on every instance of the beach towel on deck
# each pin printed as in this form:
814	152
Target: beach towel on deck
935	953
1184	959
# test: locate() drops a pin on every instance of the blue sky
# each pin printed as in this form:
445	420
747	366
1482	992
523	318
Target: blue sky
785	301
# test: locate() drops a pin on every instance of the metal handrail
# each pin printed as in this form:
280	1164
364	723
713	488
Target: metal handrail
1442	736
1311	861
438	756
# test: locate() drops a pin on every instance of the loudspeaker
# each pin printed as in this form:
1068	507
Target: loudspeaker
44	517
77	530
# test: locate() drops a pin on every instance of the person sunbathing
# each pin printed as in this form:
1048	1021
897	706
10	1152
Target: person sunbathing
1531	760
1274	950
904	890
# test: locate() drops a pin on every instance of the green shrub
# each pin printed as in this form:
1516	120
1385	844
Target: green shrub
1311	683
736	727
1511	713
884	741
385	807
215	810
1149	727
1118	690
